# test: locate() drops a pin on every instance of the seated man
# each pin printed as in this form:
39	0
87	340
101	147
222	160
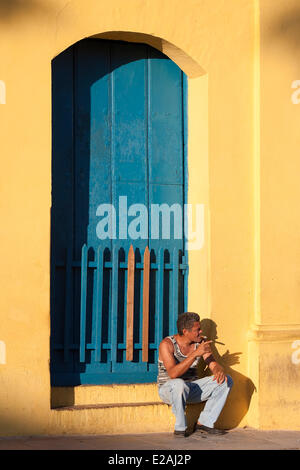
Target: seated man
177	379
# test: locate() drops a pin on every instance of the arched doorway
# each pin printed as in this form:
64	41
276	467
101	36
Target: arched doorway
118	175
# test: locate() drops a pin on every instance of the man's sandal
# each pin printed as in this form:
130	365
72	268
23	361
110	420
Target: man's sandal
206	430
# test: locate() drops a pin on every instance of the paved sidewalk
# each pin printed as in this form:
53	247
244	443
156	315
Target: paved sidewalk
237	439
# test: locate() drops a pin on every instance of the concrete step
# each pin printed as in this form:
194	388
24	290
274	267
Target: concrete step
112	418
109	409
103	394
108	405
112	409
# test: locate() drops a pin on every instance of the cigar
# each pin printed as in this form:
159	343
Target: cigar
214	341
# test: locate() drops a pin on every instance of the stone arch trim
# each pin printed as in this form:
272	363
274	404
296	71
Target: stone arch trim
187	64
165	26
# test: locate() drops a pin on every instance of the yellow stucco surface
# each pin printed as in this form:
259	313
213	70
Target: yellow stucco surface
241	57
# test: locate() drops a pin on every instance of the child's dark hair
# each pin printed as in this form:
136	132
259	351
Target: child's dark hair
186	321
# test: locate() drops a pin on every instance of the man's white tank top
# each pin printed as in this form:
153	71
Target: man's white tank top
190	375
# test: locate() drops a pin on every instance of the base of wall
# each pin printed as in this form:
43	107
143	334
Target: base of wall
113	409
109	409
112	419
275	367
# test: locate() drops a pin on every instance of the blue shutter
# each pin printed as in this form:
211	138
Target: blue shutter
118	130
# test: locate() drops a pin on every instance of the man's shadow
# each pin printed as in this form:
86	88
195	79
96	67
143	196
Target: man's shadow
238	401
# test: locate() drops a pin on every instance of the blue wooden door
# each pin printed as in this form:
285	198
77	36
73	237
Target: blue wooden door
118	139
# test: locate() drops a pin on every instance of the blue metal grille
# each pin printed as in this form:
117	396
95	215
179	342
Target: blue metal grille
119	130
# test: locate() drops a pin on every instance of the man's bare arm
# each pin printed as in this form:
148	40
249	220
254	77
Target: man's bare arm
217	370
166	355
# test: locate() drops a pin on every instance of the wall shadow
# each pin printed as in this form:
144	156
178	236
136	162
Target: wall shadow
14	8
286	30
239	399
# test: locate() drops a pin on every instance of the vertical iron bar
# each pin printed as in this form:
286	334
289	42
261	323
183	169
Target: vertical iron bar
130	305
174	311
83	293
114	306
97	327
159	298
146	285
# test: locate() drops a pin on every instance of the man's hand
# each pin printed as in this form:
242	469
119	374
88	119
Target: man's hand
203	348
218	372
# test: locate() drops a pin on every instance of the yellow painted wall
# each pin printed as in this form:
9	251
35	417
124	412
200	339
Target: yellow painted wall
276	325
241	57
